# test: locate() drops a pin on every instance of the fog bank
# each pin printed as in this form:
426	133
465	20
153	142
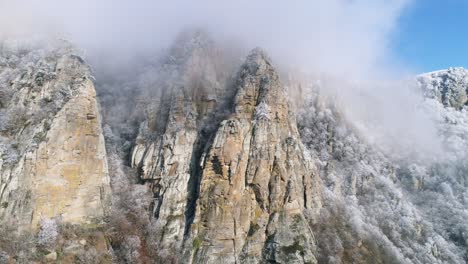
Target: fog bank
332	36
349	40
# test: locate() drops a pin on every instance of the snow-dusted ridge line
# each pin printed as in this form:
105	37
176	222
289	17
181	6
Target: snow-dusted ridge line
441	71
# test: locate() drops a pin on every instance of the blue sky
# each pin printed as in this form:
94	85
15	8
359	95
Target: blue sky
433	34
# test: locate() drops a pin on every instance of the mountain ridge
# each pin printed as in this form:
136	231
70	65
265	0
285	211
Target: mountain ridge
210	161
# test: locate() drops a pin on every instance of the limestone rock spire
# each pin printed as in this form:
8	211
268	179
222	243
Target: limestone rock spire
257	180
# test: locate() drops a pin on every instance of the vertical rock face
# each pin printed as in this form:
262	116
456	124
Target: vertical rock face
60	167
257	181
231	179
70	168
187	88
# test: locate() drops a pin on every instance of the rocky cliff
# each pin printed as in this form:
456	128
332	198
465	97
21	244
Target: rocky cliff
53	160
257	181
188	88
227	192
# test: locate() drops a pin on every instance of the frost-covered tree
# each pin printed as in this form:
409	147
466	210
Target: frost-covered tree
48	232
383	207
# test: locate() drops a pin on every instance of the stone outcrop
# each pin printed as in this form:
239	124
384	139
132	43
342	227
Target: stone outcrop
257	181
189	85
231	179
70	168
61	167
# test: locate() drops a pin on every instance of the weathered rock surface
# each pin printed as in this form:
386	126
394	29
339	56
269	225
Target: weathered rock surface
257	181
188	87
232	181
254	159
60	167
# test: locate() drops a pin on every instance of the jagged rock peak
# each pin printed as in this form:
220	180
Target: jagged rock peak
195	38
257	63
256	182
257	56
189	85
190	42
258	86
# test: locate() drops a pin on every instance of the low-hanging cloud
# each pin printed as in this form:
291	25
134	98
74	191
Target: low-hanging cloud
348	39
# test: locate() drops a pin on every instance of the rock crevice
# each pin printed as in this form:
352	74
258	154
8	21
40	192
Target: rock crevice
229	174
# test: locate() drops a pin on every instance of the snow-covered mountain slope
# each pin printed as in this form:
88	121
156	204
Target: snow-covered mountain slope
446	100
387	209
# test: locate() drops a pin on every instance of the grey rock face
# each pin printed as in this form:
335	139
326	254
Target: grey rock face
231	178
188	87
256	181
51	126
